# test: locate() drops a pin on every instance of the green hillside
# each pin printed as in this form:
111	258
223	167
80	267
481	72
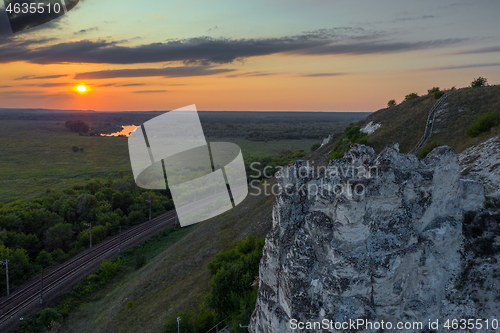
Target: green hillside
405	123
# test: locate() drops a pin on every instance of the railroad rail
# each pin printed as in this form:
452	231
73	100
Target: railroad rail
76	268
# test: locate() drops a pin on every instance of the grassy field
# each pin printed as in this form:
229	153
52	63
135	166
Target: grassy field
37	155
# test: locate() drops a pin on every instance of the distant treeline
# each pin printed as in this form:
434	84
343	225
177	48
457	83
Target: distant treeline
48	230
273	131
270	126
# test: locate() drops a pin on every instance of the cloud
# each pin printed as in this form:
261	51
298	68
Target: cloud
84	31
149	91
468	66
424	17
380	47
481	50
47	77
132	85
206	50
250	74
148	72
322	74
3	87
50	85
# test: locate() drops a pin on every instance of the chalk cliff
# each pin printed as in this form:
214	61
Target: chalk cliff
368	237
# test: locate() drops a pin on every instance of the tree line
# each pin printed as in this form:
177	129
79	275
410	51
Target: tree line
77	126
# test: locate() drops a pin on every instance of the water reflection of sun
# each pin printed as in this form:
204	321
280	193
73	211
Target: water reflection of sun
127	129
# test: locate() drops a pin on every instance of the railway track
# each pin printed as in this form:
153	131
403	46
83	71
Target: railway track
77	267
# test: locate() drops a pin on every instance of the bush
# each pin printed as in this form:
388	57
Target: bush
483	123
77	126
433	90
315	146
75	149
479	82
353	135
428	148
411	96
44	259
140	260
48	316
391	103
109	269
438	94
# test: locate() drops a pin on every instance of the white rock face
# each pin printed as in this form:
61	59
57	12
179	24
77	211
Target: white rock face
370	127
388	249
483	162
327	140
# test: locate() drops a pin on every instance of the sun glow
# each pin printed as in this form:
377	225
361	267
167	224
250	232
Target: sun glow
82	88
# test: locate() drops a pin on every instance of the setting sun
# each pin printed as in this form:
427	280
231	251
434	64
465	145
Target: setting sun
82	88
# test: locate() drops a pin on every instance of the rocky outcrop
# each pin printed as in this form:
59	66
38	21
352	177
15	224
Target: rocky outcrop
370	127
369	237
483	162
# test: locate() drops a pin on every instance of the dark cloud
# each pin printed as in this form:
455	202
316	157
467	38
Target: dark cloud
3	87
322	74
149	91
380	47
424	17
132	85
205	50
84	31
50	85
33	77
493	64
202	50
481	50
148	72
250	74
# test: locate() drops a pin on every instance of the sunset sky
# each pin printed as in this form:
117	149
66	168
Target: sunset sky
311	55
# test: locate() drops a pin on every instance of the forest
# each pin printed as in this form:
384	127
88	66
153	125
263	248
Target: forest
45	231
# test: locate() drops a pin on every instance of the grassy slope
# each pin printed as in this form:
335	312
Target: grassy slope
174	280
405	123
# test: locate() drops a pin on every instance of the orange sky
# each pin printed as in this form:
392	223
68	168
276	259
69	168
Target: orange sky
301	60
